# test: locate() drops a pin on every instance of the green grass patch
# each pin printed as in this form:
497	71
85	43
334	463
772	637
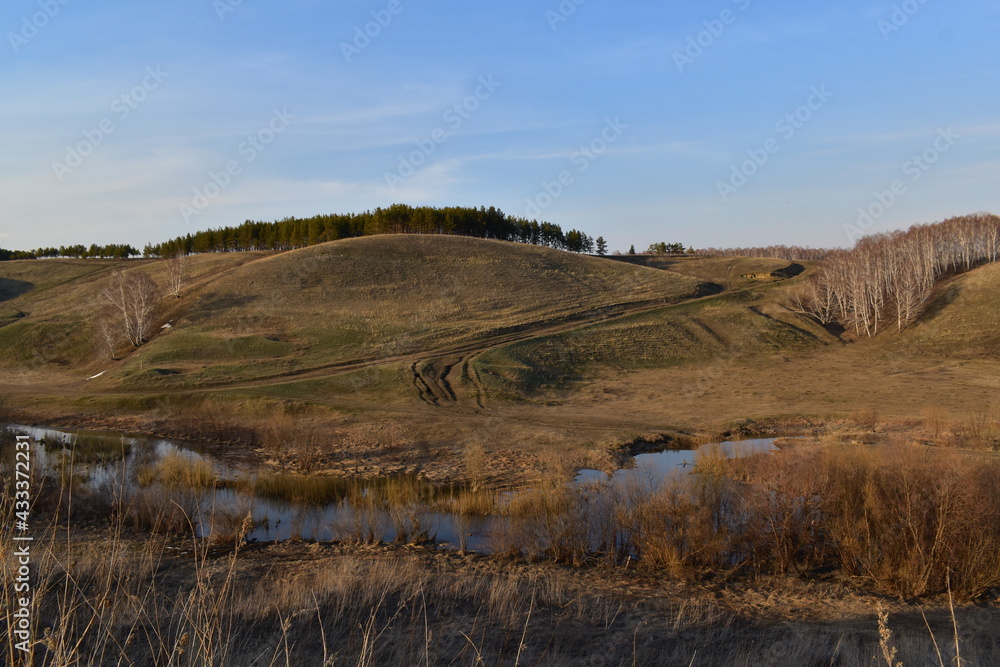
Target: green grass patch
389	382
27	341
197	346
731	325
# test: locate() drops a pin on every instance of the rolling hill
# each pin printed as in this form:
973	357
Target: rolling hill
261	315
447	336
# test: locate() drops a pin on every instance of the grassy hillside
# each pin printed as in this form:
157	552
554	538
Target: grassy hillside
398	328
945	365
47	307
247	315
731	273
404	351
736	325
962	319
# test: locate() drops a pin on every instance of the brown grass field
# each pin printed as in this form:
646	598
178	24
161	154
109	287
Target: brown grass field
447	342
507	367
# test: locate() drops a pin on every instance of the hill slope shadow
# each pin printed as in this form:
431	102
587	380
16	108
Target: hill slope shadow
11	289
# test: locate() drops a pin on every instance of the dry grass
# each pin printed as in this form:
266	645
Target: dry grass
60	304
901	520
962	320
108	597
738	326
134	601
693	367
178	470
253	314
828	383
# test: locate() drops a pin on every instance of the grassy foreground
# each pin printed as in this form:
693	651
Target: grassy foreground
729	568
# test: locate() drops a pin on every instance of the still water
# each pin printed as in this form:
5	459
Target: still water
119	464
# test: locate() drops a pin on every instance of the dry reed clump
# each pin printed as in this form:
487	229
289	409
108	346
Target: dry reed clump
177	470
301	490
548	523
229	526
371	509
980	431
478	503
161	510
293	442
410	522
476	461
867	420
907	516
358	522
678	527
901	518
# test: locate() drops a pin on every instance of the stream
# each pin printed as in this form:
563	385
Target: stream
104	462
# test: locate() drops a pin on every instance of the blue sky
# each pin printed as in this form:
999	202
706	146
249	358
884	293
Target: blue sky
664	121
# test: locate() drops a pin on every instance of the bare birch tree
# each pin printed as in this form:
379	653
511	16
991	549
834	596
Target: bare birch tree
176	273
109	333
895	274
131	297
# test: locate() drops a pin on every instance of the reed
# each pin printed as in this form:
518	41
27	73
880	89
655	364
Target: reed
116	595
178	470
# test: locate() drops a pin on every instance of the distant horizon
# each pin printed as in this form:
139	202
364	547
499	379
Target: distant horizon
611	251
736	124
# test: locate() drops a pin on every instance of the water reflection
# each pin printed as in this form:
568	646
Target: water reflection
317	509
652	470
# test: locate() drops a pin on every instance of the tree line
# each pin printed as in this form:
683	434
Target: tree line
663	248
291	233
110	251
889	277
792	253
